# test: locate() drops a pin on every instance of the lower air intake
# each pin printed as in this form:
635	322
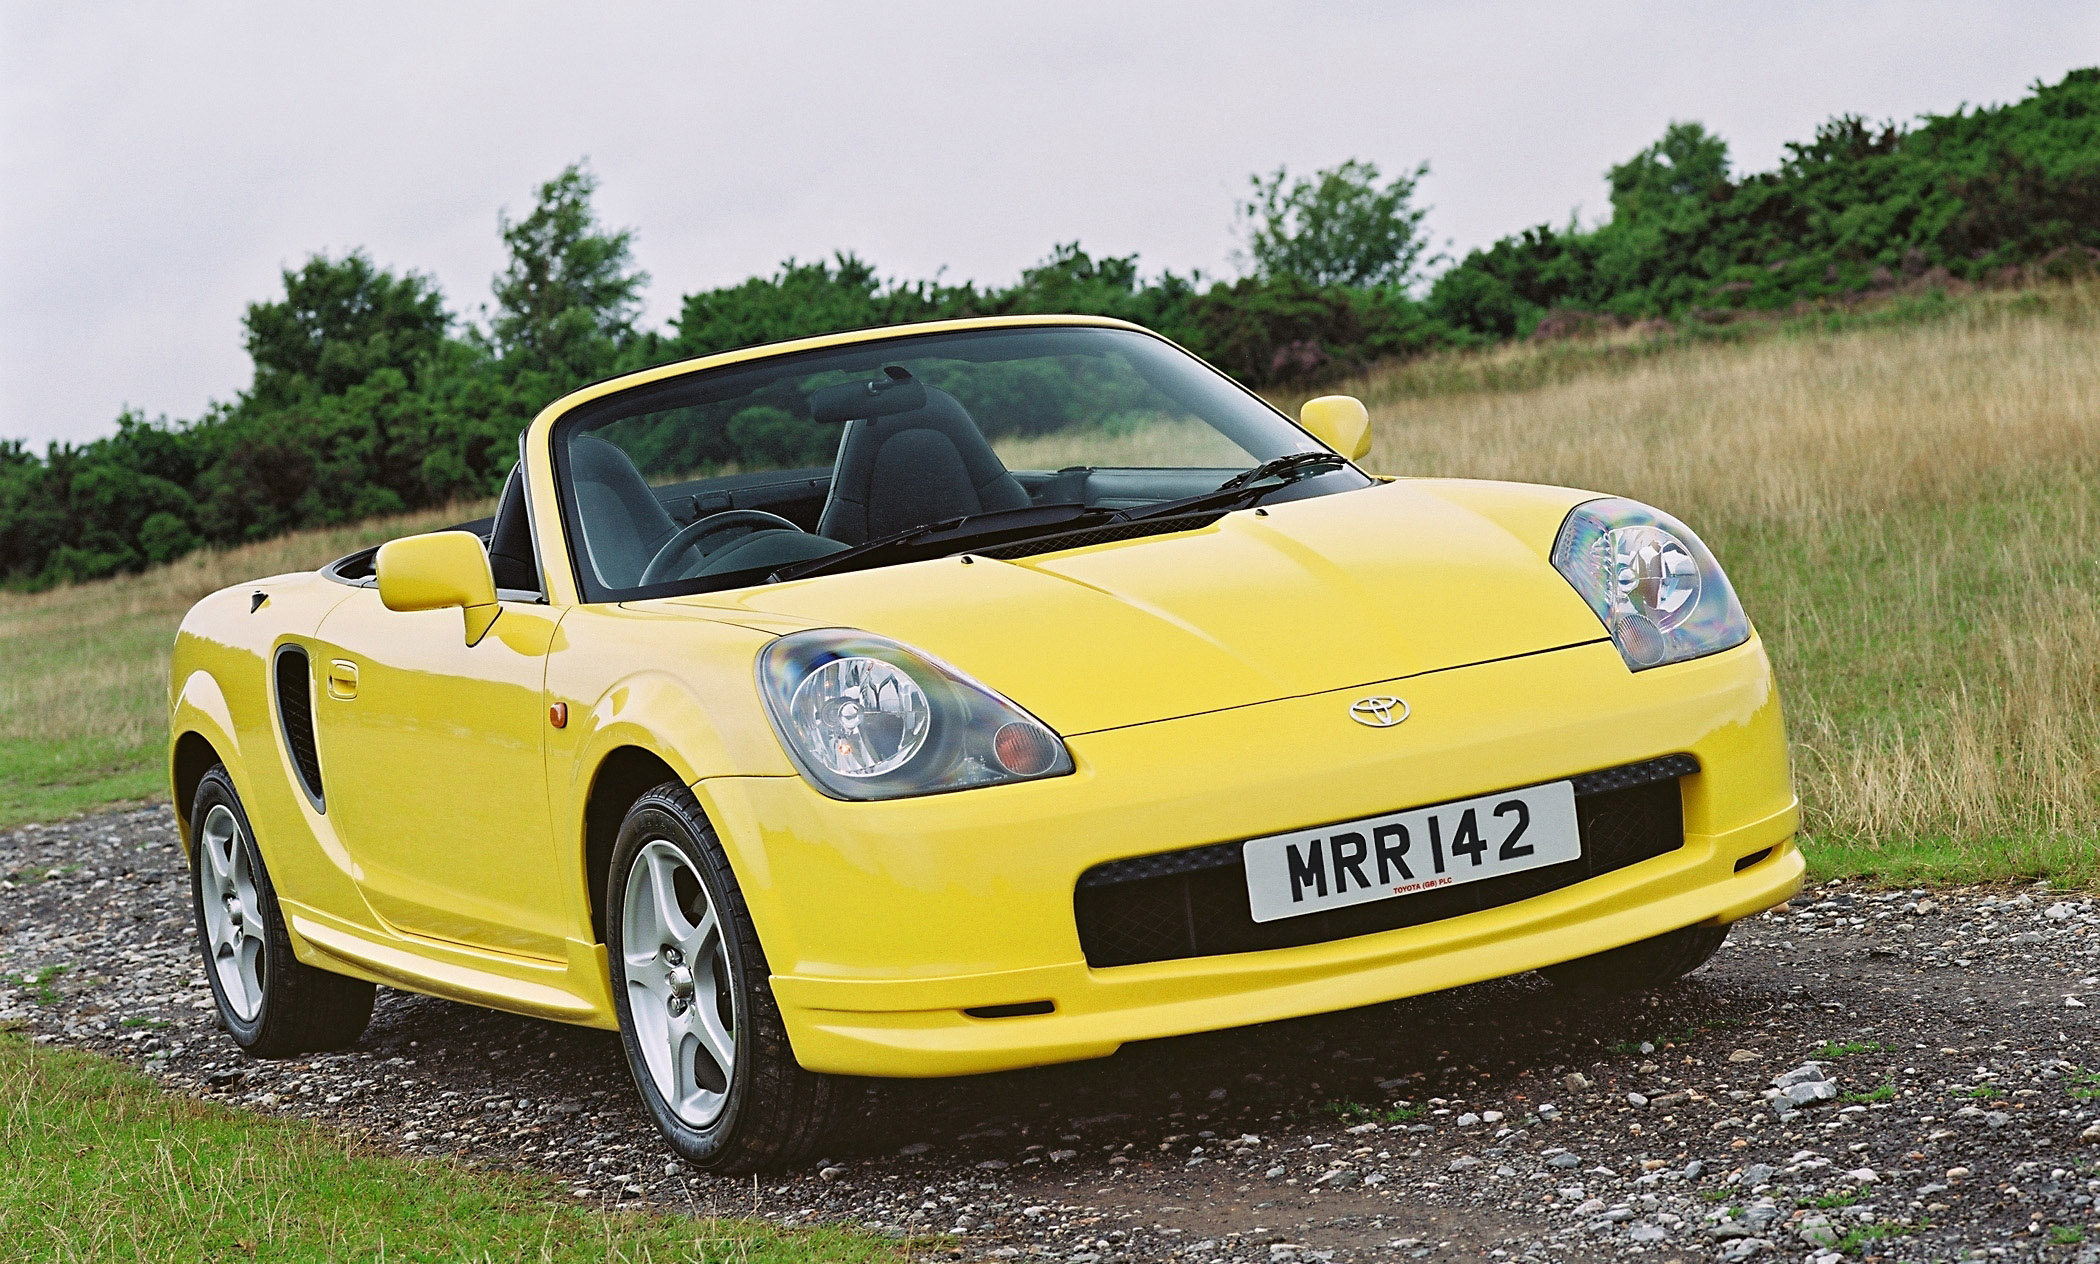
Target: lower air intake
1193	903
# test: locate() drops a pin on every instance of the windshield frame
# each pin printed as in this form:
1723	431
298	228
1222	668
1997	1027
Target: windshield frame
609	402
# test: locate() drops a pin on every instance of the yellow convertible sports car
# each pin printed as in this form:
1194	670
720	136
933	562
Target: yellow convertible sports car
960	697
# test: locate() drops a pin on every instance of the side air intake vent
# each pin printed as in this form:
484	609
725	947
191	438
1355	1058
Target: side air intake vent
295	717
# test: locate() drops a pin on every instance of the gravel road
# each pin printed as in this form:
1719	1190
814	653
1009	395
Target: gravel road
1902	1074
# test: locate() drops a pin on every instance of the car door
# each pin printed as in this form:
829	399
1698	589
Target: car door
434	753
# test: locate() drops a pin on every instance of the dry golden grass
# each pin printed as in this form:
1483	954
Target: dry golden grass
84	668
1913	514
1803	431
1165	441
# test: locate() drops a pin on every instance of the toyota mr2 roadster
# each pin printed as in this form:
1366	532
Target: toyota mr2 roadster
960	697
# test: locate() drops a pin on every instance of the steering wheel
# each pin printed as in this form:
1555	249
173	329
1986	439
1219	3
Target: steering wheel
690	535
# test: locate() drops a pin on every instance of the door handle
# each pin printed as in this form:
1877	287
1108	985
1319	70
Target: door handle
342	680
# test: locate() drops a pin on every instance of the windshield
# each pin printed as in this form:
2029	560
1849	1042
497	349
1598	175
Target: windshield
720	479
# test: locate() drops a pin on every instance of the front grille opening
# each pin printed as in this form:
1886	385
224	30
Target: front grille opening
1751	859
1021	1009
1193	903
295	717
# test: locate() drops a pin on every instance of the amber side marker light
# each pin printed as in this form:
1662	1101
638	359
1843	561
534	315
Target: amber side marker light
558	715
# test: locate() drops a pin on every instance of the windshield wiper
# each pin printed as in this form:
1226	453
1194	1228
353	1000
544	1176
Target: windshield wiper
934	539
1285	465
1242	488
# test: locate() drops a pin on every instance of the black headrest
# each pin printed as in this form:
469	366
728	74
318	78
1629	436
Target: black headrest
945	467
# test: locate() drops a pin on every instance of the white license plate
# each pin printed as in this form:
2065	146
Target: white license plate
1383	857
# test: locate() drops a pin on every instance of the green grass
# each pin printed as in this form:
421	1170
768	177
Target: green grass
1836	1199
102	1165
1358	1113
2066	1235
2083	1085
1942	756
1866	1235
1831	1050
44	780
1885	1093
43	984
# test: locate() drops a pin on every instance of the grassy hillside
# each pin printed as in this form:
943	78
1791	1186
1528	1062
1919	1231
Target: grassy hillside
1912	514
1911	508
84	668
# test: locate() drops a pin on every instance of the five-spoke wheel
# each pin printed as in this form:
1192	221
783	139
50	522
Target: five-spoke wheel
272	1003
678	982
233	938
701	1030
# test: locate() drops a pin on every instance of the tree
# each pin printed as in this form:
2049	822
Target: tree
341	320
1688	162
1338	227
804	299
568	301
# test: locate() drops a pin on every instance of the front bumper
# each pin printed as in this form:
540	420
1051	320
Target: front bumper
884	923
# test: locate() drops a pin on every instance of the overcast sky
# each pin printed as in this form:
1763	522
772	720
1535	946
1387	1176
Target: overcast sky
159	164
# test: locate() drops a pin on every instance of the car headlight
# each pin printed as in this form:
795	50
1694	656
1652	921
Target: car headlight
866	718
1660	593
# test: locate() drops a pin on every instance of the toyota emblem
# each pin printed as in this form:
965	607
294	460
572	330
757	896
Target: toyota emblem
1379	713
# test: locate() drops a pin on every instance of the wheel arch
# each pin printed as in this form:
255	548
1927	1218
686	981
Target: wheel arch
623	775
200	735
642	730
194	755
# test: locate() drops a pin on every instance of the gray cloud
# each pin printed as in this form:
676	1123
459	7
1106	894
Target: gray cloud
160	164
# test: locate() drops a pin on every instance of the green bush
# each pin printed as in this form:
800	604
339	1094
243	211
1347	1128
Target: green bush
1860	207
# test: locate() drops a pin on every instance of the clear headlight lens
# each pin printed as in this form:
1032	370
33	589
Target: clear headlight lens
864	717
1658	590
860	716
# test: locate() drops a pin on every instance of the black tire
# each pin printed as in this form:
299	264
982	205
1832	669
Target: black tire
302	1009
1637	967
772	1112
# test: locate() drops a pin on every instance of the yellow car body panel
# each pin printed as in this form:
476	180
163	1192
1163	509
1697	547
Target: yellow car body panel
448	730
454	857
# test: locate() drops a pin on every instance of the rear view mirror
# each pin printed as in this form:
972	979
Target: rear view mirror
437	572
897	391
1339	421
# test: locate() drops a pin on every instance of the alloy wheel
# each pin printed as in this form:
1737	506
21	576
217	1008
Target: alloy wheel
678	984
233	922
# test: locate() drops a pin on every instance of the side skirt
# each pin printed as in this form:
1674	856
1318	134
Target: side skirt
574	991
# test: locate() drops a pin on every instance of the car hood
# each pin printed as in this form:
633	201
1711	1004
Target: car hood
1356	588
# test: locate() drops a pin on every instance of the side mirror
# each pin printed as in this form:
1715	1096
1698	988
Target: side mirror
437	572
1341	422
